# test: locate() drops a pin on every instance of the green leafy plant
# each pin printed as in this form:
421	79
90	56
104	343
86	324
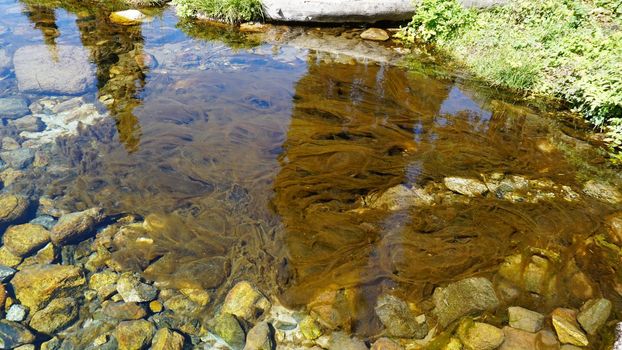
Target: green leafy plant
437	20
230	11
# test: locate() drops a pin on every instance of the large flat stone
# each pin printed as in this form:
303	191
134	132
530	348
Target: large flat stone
348	11
62	70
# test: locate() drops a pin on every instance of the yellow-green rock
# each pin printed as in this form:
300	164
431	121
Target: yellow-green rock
567	329
310	328
479	336
58	314
21	240
245	302
37	285
134	335
165	339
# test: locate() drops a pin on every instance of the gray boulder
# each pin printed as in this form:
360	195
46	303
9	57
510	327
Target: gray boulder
66	70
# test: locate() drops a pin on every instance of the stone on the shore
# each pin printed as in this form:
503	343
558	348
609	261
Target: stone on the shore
74	226
465	186
259	338
245	302
524	319
58	314
343	341
398	319
166	339
375	34
104	283
124	311
464	297
22	240
594	314
12	208
567	328
134	335
128	17
16	313
6	273
66	71
19	158
479	336
13	107
131	289
367	11
13	334
227	327
36	285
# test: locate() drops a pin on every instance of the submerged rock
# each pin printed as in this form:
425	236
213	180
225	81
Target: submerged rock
13	334
567	328
36	285
17	313
465	186
227	327
132	289
398	319
13	107
166	339
134	335
58	314
594	314
124	311
602	191
464	297
6	273
245	302
386	344
479	336
398	198
375	34
524	319
71	227
260	338
342	341
12	208
19	158
128	17
67	71
22	240
516	339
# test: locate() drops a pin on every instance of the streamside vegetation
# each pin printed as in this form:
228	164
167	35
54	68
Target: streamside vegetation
230	11
569	49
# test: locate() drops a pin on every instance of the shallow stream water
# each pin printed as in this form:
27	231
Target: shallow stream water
264	160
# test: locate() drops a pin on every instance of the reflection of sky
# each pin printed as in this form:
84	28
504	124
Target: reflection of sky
458	102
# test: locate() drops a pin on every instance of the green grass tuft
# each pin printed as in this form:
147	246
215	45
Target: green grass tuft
230	11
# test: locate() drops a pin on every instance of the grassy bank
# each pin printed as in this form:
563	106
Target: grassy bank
569	49
230	11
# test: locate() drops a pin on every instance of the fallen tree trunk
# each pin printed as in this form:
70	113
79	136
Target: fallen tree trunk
349	11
